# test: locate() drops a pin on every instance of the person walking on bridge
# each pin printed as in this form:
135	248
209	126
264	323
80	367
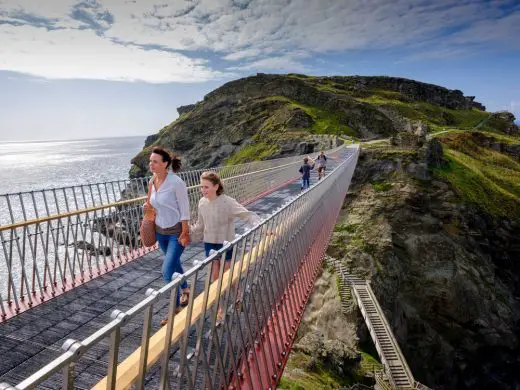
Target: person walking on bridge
169	198
321	164
216	220
305	170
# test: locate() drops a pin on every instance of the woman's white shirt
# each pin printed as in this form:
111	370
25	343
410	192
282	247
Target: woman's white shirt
171	202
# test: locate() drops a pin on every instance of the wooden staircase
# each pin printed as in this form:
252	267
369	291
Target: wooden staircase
396	374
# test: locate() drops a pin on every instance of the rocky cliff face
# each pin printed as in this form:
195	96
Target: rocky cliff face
446	275
297	88
418	91
445	272
208	134
267	116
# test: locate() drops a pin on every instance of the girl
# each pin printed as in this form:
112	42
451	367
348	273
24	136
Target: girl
216	219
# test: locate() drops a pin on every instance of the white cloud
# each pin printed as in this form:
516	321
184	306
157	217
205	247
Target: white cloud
56	9
67	54
240	55
262	31
503	30
220	25
285	64
441	53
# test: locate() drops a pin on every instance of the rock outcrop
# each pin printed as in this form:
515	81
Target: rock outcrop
508	120
150	140
255	117
185	109
445	272
417	91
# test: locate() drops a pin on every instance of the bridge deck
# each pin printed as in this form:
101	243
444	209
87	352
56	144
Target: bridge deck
34	338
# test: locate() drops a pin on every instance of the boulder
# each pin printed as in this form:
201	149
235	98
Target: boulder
434	154
151	139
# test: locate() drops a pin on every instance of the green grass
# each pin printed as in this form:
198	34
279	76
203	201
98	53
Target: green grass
492	188
471	145
325	122
498	137
375	144
381	186
482	176
368	364
325	84
273	130
300	76
504	138
348	228
430	113
303	373
252	152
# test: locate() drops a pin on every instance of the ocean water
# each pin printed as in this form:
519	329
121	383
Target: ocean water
26	166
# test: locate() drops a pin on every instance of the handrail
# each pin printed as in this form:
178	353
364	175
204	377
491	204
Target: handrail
45	256
187	174
264	262
190	177
122	202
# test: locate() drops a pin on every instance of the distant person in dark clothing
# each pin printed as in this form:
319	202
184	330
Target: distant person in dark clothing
305	170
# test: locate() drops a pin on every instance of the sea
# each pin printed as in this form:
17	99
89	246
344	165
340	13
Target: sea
28	166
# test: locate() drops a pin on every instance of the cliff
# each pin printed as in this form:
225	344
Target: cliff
441	246
268	116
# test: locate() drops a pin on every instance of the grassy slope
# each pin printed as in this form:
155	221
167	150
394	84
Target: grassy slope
328	122
253	152
429	113
304	373
325	122
482	176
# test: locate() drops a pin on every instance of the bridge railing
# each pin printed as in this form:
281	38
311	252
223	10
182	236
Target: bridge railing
53	240
28	205
262	296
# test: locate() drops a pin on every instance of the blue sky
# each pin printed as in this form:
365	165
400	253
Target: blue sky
93	68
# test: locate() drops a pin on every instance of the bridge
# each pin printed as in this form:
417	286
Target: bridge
81	301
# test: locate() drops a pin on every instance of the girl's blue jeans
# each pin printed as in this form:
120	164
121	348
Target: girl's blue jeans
172	250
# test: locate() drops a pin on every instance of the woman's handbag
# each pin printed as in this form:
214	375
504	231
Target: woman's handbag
147	228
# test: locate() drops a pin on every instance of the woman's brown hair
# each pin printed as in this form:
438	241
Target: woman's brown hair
214	178
172	159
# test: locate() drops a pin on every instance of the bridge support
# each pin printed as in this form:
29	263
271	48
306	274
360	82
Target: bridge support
287	315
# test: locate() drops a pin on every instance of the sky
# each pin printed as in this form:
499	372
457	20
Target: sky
103	68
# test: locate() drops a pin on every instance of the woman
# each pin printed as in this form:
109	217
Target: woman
169	198
216	219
